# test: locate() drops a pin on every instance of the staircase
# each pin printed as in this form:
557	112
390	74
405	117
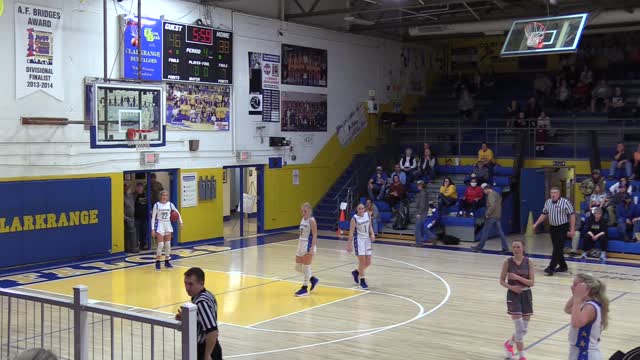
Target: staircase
345	189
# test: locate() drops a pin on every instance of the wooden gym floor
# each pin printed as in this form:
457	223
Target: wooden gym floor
423	303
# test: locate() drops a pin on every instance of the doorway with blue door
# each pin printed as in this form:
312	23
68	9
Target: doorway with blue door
144	189
535	185
243	210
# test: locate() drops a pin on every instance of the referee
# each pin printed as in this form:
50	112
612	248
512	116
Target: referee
562	221
207	314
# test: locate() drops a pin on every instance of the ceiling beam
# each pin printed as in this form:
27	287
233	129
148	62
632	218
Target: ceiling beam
313	7
300	7
366	9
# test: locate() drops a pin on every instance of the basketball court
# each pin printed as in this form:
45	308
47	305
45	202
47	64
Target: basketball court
451	297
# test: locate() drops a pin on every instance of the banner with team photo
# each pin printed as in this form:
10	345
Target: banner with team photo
264	86
304	66
198	107
304	112
353	125
39	57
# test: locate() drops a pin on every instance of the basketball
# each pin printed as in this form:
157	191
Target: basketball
134	42
174	216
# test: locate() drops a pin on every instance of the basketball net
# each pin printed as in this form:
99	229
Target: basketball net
138	139
534	31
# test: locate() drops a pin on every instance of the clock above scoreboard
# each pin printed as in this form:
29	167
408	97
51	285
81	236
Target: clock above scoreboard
196	53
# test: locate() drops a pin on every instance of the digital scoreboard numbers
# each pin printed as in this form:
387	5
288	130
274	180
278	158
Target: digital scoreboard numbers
196	53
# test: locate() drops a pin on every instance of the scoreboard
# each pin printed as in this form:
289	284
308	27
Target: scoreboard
196	53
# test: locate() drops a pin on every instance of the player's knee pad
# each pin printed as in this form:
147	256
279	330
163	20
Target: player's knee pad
521	330
298	267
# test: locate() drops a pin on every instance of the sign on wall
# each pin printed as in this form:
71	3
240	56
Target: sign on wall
353	125
303	112
189	190
39	55
198	107
264	86
150	47
54	219
304	66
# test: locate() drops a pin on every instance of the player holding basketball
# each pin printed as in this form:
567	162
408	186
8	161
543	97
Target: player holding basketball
518	276
360	238
163	213
306	248
589	310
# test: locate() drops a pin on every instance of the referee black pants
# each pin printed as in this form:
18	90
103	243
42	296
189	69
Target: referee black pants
215	355
558	236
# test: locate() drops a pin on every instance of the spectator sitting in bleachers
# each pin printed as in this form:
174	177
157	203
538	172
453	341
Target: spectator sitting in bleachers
432	222
398	172
543	124
533	109
481	172
598	198
595	230
374	214
620	160
472	198
397	193
589	184
600	95
377	184
617	103
448	194
409	165
485	155
628	219
521	121
512	112
563	96
428	146
623	182
466	105
542	85
615	200
427	166
636	163
581	96
586	76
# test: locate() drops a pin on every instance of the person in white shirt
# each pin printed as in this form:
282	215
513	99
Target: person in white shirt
163	213
589	310
409	165
623	182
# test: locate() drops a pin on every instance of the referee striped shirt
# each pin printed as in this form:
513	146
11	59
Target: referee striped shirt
207	314
558	211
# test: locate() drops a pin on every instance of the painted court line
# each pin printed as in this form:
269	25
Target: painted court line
307	309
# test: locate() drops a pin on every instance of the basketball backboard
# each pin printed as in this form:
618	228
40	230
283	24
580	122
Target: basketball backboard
548	35
119	108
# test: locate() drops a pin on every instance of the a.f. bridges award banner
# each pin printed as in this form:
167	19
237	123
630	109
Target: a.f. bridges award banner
39	50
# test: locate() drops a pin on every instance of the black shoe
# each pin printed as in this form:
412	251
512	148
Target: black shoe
548	272
503	252
562	269
476	249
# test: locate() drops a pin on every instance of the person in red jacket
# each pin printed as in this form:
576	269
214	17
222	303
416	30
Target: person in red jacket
472	199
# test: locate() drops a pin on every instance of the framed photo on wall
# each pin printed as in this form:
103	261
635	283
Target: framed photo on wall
304	66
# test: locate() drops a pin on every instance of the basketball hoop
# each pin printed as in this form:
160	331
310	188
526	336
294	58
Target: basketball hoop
534	31
139	139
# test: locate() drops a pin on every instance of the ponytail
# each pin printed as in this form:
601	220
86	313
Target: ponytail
597	291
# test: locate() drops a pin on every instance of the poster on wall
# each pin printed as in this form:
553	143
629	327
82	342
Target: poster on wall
198	107
304	66
150	47
39	54
353	125
189	190
264	86
413	70
303	112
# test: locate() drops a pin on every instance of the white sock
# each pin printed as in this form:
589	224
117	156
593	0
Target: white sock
307	274
167	250
159	250
298	268
521	354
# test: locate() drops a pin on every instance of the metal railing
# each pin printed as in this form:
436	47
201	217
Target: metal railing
80	330
452	135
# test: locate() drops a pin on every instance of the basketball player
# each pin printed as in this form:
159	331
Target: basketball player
518	276
162	228
360	238
306	248
589	310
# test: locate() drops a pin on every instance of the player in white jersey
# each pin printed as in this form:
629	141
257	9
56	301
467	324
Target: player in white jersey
307	240
360	238
589	310
162	229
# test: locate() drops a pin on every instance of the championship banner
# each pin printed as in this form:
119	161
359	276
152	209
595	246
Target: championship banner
353	125
264	86
38	51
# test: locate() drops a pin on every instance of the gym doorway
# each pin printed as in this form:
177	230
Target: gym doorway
243	210
142	191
